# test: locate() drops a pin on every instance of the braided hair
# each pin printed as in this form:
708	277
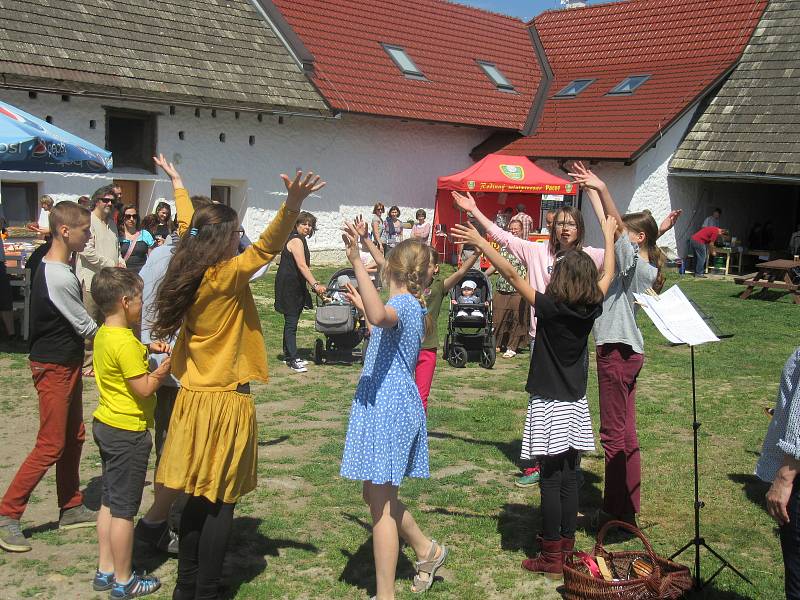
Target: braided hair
410	264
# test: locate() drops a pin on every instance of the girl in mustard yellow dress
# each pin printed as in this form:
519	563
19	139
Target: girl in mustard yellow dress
211	450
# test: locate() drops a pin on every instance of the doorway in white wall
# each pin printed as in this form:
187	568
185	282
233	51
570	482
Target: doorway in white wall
230	192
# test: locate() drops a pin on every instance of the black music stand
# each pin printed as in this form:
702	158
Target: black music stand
698	541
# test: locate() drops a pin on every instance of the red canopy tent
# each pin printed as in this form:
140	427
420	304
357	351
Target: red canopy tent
497	182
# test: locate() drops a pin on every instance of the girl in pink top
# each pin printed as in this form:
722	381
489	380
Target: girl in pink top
567	234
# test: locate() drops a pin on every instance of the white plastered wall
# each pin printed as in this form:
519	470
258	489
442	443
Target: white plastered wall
363	159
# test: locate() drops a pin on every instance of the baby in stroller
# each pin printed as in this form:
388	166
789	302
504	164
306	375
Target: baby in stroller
468	296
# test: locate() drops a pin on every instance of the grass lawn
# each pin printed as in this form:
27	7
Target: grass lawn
305	533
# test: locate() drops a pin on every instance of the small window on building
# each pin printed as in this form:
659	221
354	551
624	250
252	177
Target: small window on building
131	137
493	73
403	62
628	85
574	88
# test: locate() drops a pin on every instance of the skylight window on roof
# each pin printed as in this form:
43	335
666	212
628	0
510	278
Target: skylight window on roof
493	73
403	61
573	88
628	85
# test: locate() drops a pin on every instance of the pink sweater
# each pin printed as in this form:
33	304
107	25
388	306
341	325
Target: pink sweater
537	258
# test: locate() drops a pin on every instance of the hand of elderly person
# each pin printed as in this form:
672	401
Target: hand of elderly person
778	499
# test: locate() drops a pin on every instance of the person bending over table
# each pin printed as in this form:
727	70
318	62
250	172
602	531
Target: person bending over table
702	244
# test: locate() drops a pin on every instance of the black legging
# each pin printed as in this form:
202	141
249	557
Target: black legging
205	530
559	495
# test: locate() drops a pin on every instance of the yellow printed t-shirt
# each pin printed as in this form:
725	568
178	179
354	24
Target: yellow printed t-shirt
118	356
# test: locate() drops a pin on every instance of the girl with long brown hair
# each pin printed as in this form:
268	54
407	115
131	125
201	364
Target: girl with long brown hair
558	427
620	347
211	450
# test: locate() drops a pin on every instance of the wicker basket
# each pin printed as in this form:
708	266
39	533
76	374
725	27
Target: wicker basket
667	581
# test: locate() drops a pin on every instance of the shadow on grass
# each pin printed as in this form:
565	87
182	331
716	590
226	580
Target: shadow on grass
518	525
753	488
510	450
91	499
275	442
360	568
247	552
765	295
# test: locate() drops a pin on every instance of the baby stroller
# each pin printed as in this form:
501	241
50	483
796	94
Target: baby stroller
468	335
340	322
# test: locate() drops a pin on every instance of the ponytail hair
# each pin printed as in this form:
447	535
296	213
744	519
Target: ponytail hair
207	243
409	264
643	222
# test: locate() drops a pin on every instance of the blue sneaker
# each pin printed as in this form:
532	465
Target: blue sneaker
139	585
102	581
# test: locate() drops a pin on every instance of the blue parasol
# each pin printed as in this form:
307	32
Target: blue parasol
30	144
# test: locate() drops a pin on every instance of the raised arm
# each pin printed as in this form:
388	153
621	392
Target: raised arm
183	204
358	229
609	266
468	234
516	246
375	311
145	385
466	265
597	191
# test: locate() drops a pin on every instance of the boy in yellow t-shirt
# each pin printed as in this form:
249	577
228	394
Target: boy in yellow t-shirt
120	427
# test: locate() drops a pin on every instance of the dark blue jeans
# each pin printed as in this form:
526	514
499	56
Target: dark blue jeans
700	252
790	545
290	335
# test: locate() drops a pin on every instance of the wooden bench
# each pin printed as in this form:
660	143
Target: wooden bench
772	275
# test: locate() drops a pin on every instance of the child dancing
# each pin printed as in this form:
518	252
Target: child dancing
211	450
434	295
558	425
386	435
121	427
620	347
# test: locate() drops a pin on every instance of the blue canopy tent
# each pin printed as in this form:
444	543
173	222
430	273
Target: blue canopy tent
31	144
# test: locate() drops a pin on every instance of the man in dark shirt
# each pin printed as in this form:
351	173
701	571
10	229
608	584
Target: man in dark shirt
59	324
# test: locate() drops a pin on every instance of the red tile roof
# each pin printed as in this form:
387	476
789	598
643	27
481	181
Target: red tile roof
685	45
355	74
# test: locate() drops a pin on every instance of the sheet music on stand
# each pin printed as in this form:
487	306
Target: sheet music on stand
676	317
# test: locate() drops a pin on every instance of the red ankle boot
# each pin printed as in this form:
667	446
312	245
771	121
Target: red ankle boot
549	562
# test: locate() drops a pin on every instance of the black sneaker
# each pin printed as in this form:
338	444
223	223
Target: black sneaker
150	535
296	366
77	517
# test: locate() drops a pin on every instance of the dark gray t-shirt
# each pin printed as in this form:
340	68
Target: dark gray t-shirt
617	324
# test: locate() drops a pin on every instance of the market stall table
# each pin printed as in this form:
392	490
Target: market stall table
774	275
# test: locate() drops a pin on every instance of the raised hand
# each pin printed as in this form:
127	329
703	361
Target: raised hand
463	202
670	220
166	166
354	297
300	188
585	178
352	230
360	226
467	234
351	247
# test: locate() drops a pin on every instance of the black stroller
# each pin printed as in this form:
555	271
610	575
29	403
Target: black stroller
471	336
340	322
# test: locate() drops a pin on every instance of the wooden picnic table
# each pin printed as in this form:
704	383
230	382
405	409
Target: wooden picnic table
774	275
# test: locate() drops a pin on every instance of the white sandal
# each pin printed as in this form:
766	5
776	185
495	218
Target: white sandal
429	568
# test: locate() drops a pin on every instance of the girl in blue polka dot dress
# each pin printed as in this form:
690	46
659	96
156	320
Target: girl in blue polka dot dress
386	437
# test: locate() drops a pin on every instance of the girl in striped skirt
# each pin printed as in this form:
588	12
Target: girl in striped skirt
558	426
